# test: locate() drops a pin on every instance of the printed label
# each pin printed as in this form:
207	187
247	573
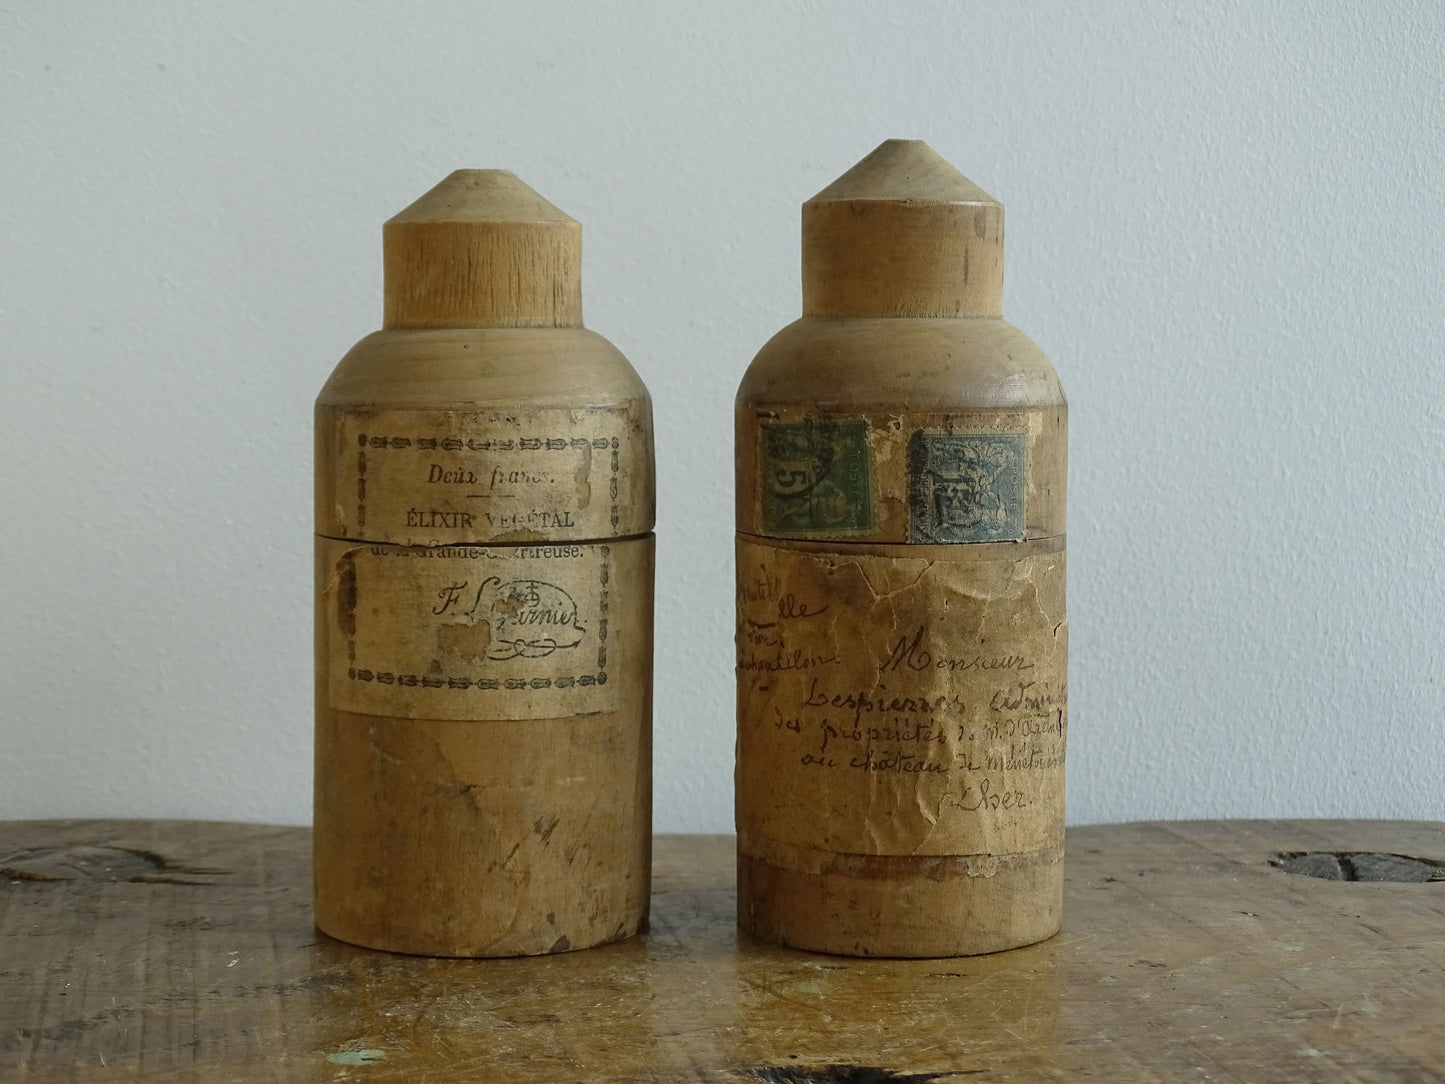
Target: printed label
816	477
966	487
897	705
470	632
445	476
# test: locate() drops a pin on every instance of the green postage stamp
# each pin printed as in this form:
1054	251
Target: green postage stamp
817	478
966	487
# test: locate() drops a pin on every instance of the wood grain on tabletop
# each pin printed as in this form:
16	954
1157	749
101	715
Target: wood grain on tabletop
186	950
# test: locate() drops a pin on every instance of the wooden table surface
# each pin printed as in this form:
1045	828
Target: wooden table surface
185	951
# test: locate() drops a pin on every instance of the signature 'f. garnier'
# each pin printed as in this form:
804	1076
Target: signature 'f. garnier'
901	635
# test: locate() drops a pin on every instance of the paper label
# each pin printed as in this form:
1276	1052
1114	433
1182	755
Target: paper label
901	705
470	632
433	477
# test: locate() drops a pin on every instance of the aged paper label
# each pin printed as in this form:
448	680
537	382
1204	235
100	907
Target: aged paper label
435	477
900	704
470	632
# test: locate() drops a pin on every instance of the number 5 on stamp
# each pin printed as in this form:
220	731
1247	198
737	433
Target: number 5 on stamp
816	477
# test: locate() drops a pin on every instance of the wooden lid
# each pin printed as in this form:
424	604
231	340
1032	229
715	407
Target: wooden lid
903	233
482	249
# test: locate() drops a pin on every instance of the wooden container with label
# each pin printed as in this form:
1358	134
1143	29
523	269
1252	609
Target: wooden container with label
901	635
484	568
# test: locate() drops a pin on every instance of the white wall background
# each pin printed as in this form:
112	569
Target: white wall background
1226	225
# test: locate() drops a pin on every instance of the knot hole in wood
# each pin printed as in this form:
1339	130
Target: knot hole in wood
1359	866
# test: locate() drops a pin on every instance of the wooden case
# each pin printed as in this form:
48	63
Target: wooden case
901	630
484	569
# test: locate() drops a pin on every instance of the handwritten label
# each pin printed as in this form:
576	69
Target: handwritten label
892	705
471	632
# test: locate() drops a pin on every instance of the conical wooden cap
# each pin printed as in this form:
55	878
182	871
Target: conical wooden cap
482	249
903	233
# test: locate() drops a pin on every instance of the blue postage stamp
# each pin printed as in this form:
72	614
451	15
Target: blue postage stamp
966	487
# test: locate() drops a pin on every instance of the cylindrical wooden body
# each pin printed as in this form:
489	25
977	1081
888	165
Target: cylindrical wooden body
484	570
901	636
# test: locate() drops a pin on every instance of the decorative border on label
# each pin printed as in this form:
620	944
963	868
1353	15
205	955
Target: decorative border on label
471	444
433	681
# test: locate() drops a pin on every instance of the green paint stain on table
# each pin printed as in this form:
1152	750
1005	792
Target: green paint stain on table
356	1057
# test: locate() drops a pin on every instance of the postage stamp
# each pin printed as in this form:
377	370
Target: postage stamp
817	477
966	487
